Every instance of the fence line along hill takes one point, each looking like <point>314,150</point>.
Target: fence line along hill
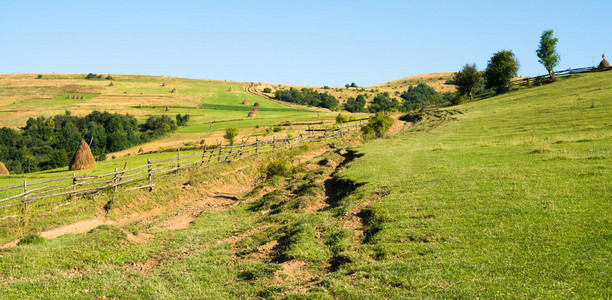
<point>24,199</point>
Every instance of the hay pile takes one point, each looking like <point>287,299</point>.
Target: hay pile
<point>83,159</point>
<point>164,83</point>
<point>230,89</point>
<point>253,112</point>
<point>167,108</point>
<point>604,64</point>
<point>111,84</point>
<point>3,169</point>
<point>245,101</point>
<point>256,104</point>
<point>140,150</point>
<point>82,97</point>
<point>174,90</point>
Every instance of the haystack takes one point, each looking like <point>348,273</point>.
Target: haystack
<point>83,159</point>
<point>164,83</point>
<point>174,90</point>
<point>253,112</point>
<point>68,97</point>
<point>245,101</point>
<point>111,84</point>
<point>604,64</point>
<point>3,169</point>
<point>140,150</point>
<point>82,97</point>
<point>229,90</point>
<point>167,108</point>
<point>256,104</point>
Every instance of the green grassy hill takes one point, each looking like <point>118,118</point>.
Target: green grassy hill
<point>506,197</point>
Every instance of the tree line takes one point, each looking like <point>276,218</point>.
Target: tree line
<point>501,68</point>
<point>48,143</point>
<point>307,96</point>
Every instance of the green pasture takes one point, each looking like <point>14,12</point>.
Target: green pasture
<point>507,197</point>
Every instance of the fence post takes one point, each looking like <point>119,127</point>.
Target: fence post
<point>220,148</point>
<point>178,161</point>
<point>149,175</point>
<point>256,144</point>
<point>286,140</point>
<point>115,181</point>
<point>25,197</point>
<point>74,181</point>
<point>241,147</point>
<point>203,154</point>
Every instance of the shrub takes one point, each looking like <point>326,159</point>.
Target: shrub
<point>377,126</point>
<point>31,239</point>
<point>458,99</point>
<point>341,119</point>
<point>39,76</point>
<point>230,134</point>
<point>267,90</point>
<point>279,167</point>
<point>277,129</point>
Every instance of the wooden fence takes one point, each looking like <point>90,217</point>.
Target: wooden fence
<point>144,176</point>
<point>569,71</point>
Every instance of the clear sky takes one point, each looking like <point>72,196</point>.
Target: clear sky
<point>291,41</point>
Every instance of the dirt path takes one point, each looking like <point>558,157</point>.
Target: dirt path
<point>398,125</point>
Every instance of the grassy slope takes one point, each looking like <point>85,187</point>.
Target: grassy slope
<point>394,87</point>
<point>22,96</point>
<point>513,198</point>
<point>510,200</point>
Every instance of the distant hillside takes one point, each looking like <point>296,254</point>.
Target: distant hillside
<point>394,87</point>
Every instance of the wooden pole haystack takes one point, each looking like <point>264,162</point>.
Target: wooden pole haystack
<point>253,112</point>
<point>82,97</point>
<point>164,83</point>
<point>245,101</point>
<point>229,90</point>
<point>83,158</point>
<point>3,169</point>
<point>111,84</point>
<point>604,64</point>
<point>174,90</point>
<point>256,104</point>
<point>167,108</point>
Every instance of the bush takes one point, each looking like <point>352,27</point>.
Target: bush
<point>277,129</point>
<point>230,134</point>
<point>341,119</point>
<point>279,167</point>
<point>267,90</point>
<point>377,126</point>
<point>458,99</point>
<point>39,76</point>
<point>31,239</point>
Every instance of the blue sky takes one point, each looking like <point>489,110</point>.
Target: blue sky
<point>294,42</point>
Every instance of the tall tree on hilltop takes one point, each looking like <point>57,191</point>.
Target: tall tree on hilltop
<point>502,67</point>
<point>467,79</point>
<point>548,53</point>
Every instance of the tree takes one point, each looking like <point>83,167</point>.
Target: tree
<point>230,134</point>
<point>467,79</point>
<point>355,104</point>
<point>502,67</point>
<point>383,102</point>
<point>378,125</point>
<point>353,85</point>
<point>548,53</point>
<point>347,85</point>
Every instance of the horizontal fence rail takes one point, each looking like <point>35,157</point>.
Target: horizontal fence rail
<point>144,176</point>
<point>569,71</point>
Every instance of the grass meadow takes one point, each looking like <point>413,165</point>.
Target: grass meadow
<point>508,197</point>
